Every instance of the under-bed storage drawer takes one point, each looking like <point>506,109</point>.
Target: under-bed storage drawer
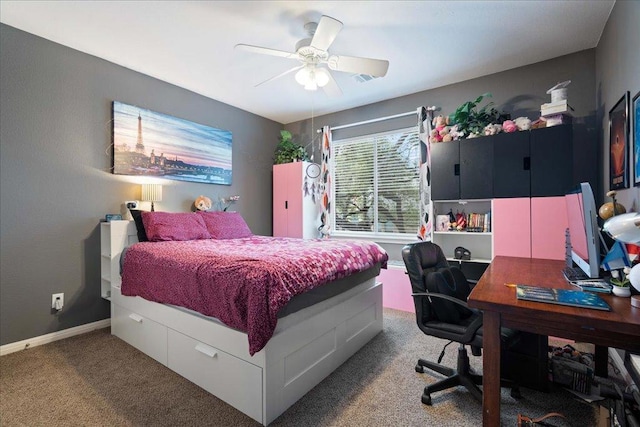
<point>142,333</point>
<point>233,380</point>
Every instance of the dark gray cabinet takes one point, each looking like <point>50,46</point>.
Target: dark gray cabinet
<point>536,163</point>
<point>462,169</point>
<point>552,162</point>
<point>511,157</point>
<point>445,170</point>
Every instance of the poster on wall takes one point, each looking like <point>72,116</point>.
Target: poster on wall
<point>618,144</point>
<point>147,143</point>
<point>636,138</point>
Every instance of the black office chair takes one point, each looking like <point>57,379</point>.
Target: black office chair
<point>440,293</point>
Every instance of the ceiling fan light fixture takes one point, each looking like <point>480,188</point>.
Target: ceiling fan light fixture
<point>303,76</point>
<point>322,77</point>
<point>312,77</point>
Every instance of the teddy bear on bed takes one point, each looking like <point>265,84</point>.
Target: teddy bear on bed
<point>203,203</point>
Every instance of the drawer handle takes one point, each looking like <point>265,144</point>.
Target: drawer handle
<point>205,349</point>
<point>135,318</point>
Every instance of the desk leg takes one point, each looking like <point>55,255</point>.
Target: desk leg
<point>602,361</point>
<point>491,369</point>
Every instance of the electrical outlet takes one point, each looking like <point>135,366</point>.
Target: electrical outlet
<point>57,301</point>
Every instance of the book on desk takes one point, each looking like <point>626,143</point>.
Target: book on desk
<point>561,296</point>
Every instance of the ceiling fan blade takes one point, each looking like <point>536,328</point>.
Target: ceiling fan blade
<point>267,51</point>
<point>326,32</point>
<point>331,88</point>
<point>357,65</point>
<point>280,75</point>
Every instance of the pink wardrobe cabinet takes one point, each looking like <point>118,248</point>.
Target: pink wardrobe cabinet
<point>294,213</point>
<point>530,227</point>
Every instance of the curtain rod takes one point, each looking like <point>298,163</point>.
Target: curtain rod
<point>408,113</point>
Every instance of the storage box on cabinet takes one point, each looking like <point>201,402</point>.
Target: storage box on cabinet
<point>227,377</point>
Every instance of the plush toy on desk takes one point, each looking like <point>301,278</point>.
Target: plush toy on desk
<point>202,203</point>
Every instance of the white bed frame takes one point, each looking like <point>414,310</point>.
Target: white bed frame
<point>307,345</point>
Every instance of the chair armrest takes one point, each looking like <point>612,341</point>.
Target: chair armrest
<point>447,297</point>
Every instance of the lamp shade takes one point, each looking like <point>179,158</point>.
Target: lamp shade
<point>152,193</point>
<point>624,227</point>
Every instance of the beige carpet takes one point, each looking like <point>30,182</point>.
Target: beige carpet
<point>96,379</point>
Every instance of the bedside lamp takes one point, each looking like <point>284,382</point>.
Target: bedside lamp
<point>152,193</point>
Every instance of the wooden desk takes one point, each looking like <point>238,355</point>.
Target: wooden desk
<point>619,328</point>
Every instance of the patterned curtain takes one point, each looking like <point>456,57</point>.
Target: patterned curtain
<point>325,184</point>
<point>425,116</point>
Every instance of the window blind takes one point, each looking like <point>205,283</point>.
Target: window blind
<point>376,183</point>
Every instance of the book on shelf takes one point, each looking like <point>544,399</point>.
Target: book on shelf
<point>478,222</point>
<point>561,296</point>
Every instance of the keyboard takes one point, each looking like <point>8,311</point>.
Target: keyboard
<point>573,274</point>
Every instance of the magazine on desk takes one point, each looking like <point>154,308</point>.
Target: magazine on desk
<point>562,297</point>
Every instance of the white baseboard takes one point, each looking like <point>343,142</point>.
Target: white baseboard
<point>54,336</point>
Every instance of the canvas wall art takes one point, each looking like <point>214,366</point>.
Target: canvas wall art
<point>636,138</point>
<point>618,144</point>
<point>154,144</point>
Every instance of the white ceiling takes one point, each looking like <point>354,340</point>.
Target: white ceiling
<point>428,43</point>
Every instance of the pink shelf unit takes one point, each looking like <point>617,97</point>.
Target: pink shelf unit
<point>396,289</point>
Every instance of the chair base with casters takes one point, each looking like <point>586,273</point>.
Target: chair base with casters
<point>462,376</point>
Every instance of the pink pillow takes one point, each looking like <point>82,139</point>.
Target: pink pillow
<point>163,226</point>
<point>226,225</point>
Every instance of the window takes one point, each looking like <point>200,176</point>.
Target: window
<point>376,184</point>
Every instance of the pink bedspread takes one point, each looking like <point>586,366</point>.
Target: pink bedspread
<point>242,282</point>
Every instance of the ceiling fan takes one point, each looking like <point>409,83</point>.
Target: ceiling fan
<point>312,53</point>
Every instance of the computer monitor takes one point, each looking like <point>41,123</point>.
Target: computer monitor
<point>583,229</point>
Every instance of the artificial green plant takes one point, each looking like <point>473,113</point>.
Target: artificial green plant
<point>471,120</point>
<point>288,151</point>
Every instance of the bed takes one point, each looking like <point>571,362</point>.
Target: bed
<point>261,366</point>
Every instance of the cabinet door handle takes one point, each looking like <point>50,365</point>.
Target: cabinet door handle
<point>526,163</point>
<point>135,318</point>
<point>456,169</point>
<point>206,350</point>
<point>286,204</point>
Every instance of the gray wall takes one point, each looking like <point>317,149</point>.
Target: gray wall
<point>55,132</point>
<point>56,185</point>
<point>618,71</point>
<point>519,91</point>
